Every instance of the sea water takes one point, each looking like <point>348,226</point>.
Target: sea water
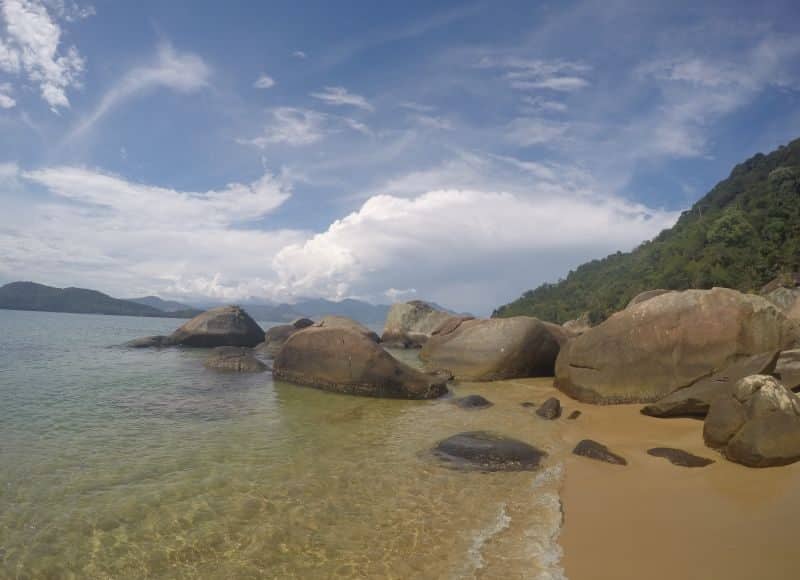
<point>141,463</point>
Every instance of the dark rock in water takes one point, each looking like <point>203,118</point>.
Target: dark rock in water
<point>757,424</point>
<point>550,409</point>
<point>695,400</point>
<point>222,326</point>
<point>528,404</point>
<point>234,358</point>
<point>345,360</point>
<point>594,450</point>
<point>680,457</point>
<point>472,402</point>
<point>149,342</point>
<point>487,451</point>
<point>302,323</point>
<point>274,339</point>
<point>574,415</point>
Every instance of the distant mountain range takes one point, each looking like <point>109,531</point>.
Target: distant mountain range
<point>33,296</point>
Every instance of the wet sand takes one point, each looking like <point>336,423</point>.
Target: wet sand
<point>654,520</point>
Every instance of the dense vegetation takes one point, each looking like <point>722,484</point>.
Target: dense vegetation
<point>742,234</point>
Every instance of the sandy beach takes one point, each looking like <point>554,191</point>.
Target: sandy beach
<point>651,519</point>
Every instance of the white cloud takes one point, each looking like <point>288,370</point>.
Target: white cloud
<point>538,104</point>
<point>339,96</point>
<point>32,48</point>
<point>464,247</point>
<point>527,131</point>
<point>264,82</point>
<point>299,54</point>
<point>180,72</point>
<point>6,100</point>
<point>535,74</point>
<point>295,127</point>
<point>432,122</point>
<point>99,230</point>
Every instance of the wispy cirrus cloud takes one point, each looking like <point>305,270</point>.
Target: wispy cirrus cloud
<point>181,72</point>
<point>290,126</point>
<point>339,96</point>
<point>31,48</point>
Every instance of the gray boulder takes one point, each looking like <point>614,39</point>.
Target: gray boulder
<point>757,425</point>
<point>222,326</point>
<point>787,369</point>
<point>494,349</point>
<point>149,342</point>
<point>669,342</point>
<point>276,336</point>
<point>347,323</point>
<point>410,324</point>
<point>345,360</point>
<point>696,399</point>
<point>550,409</point>
<point>578,326</point>
<point>645,296</point>
<point>486,451</point>
<point>234,359</point>
<point>599,452</point>
<point>472,402</point>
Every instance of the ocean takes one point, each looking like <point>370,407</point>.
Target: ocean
<point>136,463</point>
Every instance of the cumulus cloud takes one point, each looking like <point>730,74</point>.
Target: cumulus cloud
<point>339,96</point>
<point>6,100</point>
<point>469,248</point>
<point>96,229</point>
<point>32,48</point>
<point>264,82</point>
<point>181,72</point>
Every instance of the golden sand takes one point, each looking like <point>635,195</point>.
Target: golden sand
<point>653,520</point>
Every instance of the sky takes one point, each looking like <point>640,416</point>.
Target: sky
<point>459,152</point>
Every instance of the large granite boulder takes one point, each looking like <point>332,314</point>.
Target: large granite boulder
<point>578,325</point>
<point>486,451</point>
<point>410,324</point>
<point>347,323</point>
<point>787,369</point>
<point>222,326</point>
<point>696,399</point>
<point>669,342</point>
<point>275,336</point>
<point>347,361</point>
<point>494,349</point>
<point>645,296</point>
<point>757,425</point>
<point>234,358</point>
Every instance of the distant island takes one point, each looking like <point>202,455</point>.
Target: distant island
<point>740,235</point>
<point>39,297</point>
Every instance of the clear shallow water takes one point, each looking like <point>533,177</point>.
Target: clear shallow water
<point>136,463</point>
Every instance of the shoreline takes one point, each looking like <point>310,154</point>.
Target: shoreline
<point>652,519</point>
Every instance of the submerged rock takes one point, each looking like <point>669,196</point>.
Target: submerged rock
<point>222,326</point>
<point>550,409</point>
<point>680,457</point>
<point>494,349</point>
<point>472,402</point>
<point>410,324</point>
<point>486,451</point>
<point>669,342</point>
<point>235,359</point>
<point>574,415</point>
<point>344,360</point>
<point>696,399</point>
<point>149,342</point>
<point>757,424</point>
<point>594,450</point>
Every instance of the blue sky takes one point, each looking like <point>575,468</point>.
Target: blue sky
<point>461,152</point>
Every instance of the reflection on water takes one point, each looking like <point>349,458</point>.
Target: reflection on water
<point>122,463</point>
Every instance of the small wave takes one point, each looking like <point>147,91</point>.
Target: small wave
<point>499,523</point>
<point>544,547</point>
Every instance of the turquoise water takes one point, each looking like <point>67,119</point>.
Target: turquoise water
<point>136,463</point>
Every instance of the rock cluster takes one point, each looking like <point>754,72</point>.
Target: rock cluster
<point>410,324</point>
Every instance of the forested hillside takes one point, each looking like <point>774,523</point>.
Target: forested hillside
<point>742,234</point>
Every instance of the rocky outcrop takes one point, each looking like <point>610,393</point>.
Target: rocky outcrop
<point>787,369</point>
<point>696,399</point>
<point>222,326</point>
<point>757,425</point>
<point>599,452</point>
<point>347,323</point>
<point>344,360</point>
<point>410,324</point>
<point>234,359</point>
<point>669,342</point>
<point>578,326</point>
<point>645,296</point>
<point>550,409</point>
<point>275,336</point>
<point>472,402</point>
<point>487,451</point>
<point>494,349</point>
<point>149,342</point>
<point>679,457</point>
